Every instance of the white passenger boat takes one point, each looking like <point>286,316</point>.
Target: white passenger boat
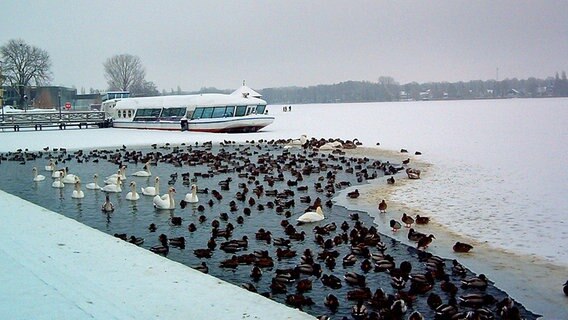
<point>240,111</point>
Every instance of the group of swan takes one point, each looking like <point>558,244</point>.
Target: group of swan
<point>113,184</point>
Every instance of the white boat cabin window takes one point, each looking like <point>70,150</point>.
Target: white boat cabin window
<point>213,112</point>
<point>147,114</point>
<point>260,109</point>
<point>173,113</point>
<point>241,111</point>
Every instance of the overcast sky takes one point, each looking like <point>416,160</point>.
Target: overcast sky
<point>193,44</point>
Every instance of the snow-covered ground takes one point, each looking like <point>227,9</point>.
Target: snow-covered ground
<point>494,175</point>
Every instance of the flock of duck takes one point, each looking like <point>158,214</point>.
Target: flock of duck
<point>313,245</point>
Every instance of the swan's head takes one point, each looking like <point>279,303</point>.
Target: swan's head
<point>172,190</point>
<point>157,179</point>
<point>34,169</point>
<point>133,184</point>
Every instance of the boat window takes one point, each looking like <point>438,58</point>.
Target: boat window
<point>241,110</point>
<point>207,112</point>
<point>130,113</point>
<point>173,112</point>
<point>197,113</point>
<point>260,109</point>
<point>230,111</point>
<point>147,114</point>
<point>219,112</point>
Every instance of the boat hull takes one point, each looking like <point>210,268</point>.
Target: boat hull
<point>220,125</point>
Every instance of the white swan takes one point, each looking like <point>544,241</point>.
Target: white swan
<point>311,216</point>
<point>77,192</point>
<point>94,185</point>
<point>144,173</point>
<point>50,165</point>
<point>37,177</point>
<point>166,201</point>
<point>331,145</point>
<point>132,195</point>
<point>120,173</point>
<point>297,142</point>
<point>192,196</point>
<point>55,173</point>
<point>68,177</point>
<point>57,183</point>
<point>107,206</point>
<point>152,191</point>
<point>113,187</point>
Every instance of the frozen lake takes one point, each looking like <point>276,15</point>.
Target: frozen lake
<point>496,175</point>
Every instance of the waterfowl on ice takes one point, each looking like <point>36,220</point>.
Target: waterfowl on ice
<point>383,207</point>
<point>408,220</point>
<point>462,247</point>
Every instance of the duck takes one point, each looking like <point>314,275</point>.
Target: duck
<point>152,191</point>
<point>458,269</point>
<point>202,267</point>
<point>331,281</point>
<point>395,225</point>
<point>414,235</point>
<point>331,301</point>
<point>93,185</point>
<point>476,300</point>
<point>359,311</point>
<point>107,205</point>
<point>359,294</point>
<point>136,240</point>
<point>383,207</point>
<point>37,177</point>
<point>311,216</point>
<point>390,180</point>
<point>353,194</point>
<point>462,247</point>
<point>408,220</point>
<point>424,242</point>
<point>165,201</point>
<point>479,282</point>
<point>192,197</point>
<point>68,177</point>
<point>421,220</point>
<point>58,183</point>
<point>162,248</point>
<point>113,187</point>
<point>77,192</point>
<point>353,278</point>
<point>132,195</point>
<point>144,173</point>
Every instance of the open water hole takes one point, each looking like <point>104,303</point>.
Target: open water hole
<point>208,165</point>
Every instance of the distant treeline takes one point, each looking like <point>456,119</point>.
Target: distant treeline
<point>387,89</point>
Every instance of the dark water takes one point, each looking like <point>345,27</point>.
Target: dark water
<point>133,218</point>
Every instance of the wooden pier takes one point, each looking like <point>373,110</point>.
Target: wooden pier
<point>62,120</point>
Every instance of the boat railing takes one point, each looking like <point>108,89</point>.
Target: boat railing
<point>38,120</point>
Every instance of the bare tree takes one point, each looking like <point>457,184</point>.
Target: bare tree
<point>24,65</point>
<point>124,72</point>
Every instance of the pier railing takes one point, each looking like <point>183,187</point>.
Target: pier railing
<point>39,120</point>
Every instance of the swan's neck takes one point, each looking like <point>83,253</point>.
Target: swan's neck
<point>172,201</point>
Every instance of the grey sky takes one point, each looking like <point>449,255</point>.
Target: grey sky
<point>192,44</point>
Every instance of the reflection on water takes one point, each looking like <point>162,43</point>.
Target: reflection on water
<point>133,217</point>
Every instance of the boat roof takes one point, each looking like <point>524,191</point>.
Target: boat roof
<point>201,100</point>
<point>245,91</point>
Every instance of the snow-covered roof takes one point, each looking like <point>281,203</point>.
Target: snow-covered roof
<point>245,91</point>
